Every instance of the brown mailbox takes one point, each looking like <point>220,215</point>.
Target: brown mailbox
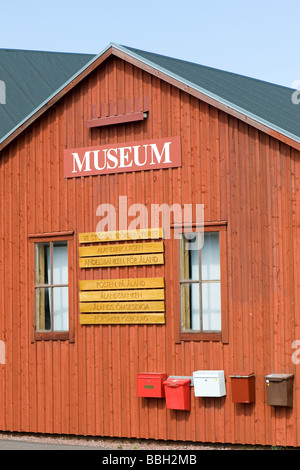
<point>280,389</point>
<point>243,387</point>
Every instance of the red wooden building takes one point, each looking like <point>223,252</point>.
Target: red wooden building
<point>86,307</point>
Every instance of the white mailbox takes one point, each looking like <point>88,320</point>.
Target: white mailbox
<point>209,383</point>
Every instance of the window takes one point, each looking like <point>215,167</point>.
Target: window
<point>51,286</point>
<point>200,284</point>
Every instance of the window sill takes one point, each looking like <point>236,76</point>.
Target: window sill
<point>51,335</point>
<point>197,336</point>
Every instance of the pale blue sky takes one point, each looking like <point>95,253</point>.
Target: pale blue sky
<point>257,38</point>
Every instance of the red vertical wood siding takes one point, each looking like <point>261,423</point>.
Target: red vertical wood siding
<point>242,176</point>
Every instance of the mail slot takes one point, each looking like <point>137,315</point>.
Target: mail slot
<point>178,394</point>
<point>209,383</point>
<point>280,389</point>
<point>150,384</point>
<point>243,387</point>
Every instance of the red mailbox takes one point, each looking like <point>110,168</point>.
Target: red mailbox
<point>178,393</point>
<point>150,384</point>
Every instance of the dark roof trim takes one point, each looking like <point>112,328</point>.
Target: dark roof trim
<point>149,66</point>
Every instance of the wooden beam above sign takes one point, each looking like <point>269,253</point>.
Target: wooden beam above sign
<point>132,112</point>
<point>119,119</point>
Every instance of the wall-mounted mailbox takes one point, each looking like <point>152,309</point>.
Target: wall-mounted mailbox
<point>209,383</point>
<point>243,387</point>
<point>150,384</point>
<point>178,393</point>
<point>280,389</point>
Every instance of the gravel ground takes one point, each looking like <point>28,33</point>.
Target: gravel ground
<point>124,444</point>
<point>113,444</point>
<point>25,441</point>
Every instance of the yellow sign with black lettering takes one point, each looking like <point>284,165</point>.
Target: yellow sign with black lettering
<point>121,235</point>
<point>117,261</point>
<point>122,295</point>
<point>118,284</point>
<point>125,249</point>
<point>122,319</point>
<point>156,306</point>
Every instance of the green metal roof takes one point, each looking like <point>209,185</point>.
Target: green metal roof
<point>265,102</point>
<point>33,78</point>
<point>30,77</point>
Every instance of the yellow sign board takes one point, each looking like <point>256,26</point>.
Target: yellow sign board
<point>122,301</point>
<point>118,284</point>
<point>120,249</point>
<point>122,295</point>
<point>121,235</point>
<point>122,319</point>
<point>114,261</point>
<point>155,306</point>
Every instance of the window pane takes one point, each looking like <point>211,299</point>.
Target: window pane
<point>210,257</point>
<point>189,260</point>
<point>194,264</point>
<point>201,299</point>
<point>211,306</point>
<point>43,309</point>
<point>190,307</point>
<point>60,263</point>
<point>42,263</point>
<point>60,309</point>
<point>195,307</point>
<point>185,306</point>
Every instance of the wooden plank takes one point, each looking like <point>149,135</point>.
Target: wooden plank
<point>110,284</point>
<point>122,295</point>
<point>119,119</point>
<point>113,319</point>
<point>155,306</point>
<point>142,234</point>
<point>129,248</point>
<point>111,261</point>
